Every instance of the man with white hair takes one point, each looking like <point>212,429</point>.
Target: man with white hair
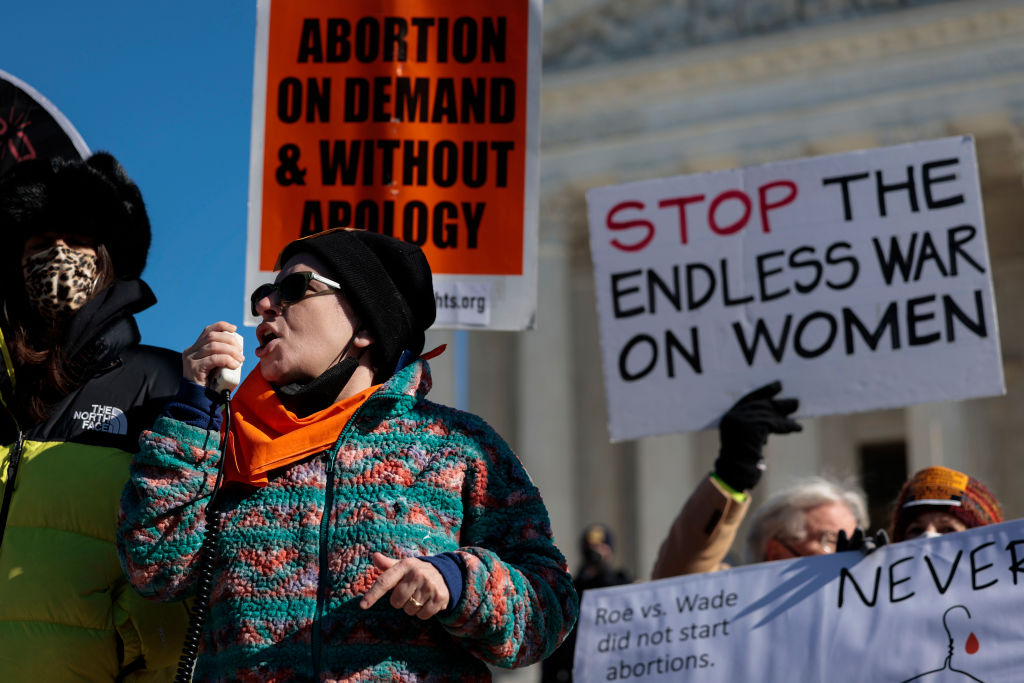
<point>803,520</point>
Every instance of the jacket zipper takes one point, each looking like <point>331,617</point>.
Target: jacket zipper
<point>321,584</point>
<point>316,637</point>
<point>12,475</point>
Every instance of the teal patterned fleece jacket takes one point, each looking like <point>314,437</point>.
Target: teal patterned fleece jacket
<point>407,477</point>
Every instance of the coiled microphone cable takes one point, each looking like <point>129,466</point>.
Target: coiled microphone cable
<point>207,553</point>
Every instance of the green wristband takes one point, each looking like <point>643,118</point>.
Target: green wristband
<point>738,496</point>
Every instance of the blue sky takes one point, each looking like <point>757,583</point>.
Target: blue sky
<point>167,88</point>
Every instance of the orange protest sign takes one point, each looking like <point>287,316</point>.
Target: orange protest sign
<point>406,117</point>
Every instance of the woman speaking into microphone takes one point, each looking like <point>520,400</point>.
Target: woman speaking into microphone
<point>362,531</point>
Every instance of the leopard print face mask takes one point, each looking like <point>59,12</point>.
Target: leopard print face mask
<point>59,280</point>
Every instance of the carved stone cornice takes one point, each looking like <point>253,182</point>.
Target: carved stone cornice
<point>803,53</point>
<point>925,73</point>
<point>916,74</point>
<point>588,32</point>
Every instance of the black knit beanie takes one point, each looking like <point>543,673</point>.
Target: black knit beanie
<point>94,198</point>
<point>386,281</point>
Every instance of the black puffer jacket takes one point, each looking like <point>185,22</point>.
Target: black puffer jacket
<point>65,608</point>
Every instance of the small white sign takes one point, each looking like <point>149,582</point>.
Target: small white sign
<point>462,304</point>
<point>937,609</point>
<point>860,280</point>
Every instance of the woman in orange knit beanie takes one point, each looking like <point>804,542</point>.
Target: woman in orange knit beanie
<point>940,500</point>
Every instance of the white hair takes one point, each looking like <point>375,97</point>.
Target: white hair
<point>782,515</point>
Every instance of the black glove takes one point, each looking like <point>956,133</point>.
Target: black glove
<point>861,541</point>
<point>744,431</point>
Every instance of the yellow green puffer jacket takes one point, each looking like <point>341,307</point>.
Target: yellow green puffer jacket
<point>66,611</point>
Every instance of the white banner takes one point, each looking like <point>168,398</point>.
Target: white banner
<point>860,280</point>
<point>920,610</point>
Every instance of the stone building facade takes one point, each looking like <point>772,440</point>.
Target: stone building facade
<point>637,89</point>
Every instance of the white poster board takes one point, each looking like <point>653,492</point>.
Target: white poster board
<point>860,280</point>
<point>944,607</point>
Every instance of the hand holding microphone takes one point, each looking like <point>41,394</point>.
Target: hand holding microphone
<point>225,379</point>
<point>215,359</point>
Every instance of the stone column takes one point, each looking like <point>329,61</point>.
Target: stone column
<point>935,436</point>
<point>668,468</point>
<point>443,368</point>
<point>546,412</point>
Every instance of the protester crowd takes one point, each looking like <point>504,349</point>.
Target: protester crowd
<point>814,516</point>
<point>328,521</point>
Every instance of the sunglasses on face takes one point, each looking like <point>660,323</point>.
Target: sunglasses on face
<point>291,289</point>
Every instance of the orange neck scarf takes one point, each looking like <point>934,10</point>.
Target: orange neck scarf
<point>265,435</point>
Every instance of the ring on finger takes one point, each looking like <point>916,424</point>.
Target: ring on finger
<point>416,603</point>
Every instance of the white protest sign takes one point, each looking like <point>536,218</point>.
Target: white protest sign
<point>860,280</point>
<point>938,606</point>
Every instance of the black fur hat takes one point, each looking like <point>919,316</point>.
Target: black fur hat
<point>386,281</point>
<point>94,198</point>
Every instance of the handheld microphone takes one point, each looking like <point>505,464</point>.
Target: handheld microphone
<point>225,379</point>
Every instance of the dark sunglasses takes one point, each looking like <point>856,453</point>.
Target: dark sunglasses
<point>291,289</point>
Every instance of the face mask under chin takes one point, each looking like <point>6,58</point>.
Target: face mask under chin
<point>59,280</point>
<point>306,398</point>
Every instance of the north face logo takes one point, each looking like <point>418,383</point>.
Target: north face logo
<point>106,419</point>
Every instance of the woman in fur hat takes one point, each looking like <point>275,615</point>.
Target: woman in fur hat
<point>362,531</point>
<point>76,388</point>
